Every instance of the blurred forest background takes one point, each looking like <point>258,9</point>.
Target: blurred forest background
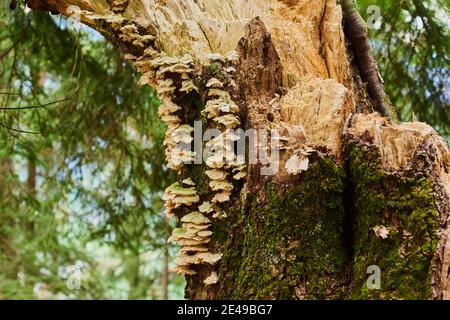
<point>81,157</point>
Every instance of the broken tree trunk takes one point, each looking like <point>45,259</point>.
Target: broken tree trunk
<point>347,191</point>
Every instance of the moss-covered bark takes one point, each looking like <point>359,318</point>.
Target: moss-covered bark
<point>406,206</point>
<point>289,244</point>
<point>316,239</point>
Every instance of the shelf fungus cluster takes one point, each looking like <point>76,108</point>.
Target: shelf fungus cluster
<point>170,76</point>
<point>173,77</point>
<point>194,234</point>
<point>180,194</point>
<point>224,165</point>
<point>193,237</point>
<point>130,33</point>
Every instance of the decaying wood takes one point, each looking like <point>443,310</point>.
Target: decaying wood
<point>292,73</point>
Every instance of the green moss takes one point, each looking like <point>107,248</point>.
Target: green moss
<point>215,69</point>
<point>407,207</point>
<point>193,105</point>
<point>305,242</point>
<point>198,176</point>
<point>290,241</point>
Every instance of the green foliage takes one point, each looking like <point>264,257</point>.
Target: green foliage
<point>85,189</point>
<point>412,48</point>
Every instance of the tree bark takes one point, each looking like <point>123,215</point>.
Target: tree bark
<point>352,190</point>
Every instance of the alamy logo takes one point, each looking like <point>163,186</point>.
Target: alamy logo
<point>374,280</point>
<point>74,277</point>
<point>374,20</point>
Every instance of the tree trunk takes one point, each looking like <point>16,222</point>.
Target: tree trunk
<point>353,198</point>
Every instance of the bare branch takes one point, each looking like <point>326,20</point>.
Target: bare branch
<point>43,105</point>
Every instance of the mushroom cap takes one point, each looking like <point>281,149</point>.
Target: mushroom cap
<point>184,259</point>
<point>193,249</point>
<point>220,93</point>
<point>178,189</point>
<point>215,107</point>
<point>240,175</point>
<point>171,119</point>
<point>188,182</point>
<point>185,200</point>
<point>129,28</point>
<point>219,185</point>
<point>179,156</point>
<point>204,233</point>
<point>211,279</point>
<point>174,68</point>
<point>211,258</point>
<point>240,168</point>
<point>214,83</point>
<point>188,86</point>
<point>296,164</point>
<point>228,120</point>
<point>167,108</point>
<point>181,233</point>
<point>221,197</point>
<point>198,227</point>
<point>216,174</point>
<point>195,217</point>
<point>205,207</point>
<point>192,242</point>
<point>216,161</point>
<point>181,138</point>
<point>183,270</point>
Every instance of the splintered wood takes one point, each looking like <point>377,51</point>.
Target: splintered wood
<point>307,35</point>
<point>322,107</point>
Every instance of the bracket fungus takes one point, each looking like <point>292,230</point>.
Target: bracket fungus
<point>240,172</point>
<point>211,279</point>
<point>222,105</point>
<point>175,75</point>
<point>193,236</point>
<point>381,231</point>
<point>299,161</point>
<point>229,121</point>
<point>169,74</point>
<point>183,134</point>
<point>205,207</point>
<point>177,195</point>
<point>214,83</point>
